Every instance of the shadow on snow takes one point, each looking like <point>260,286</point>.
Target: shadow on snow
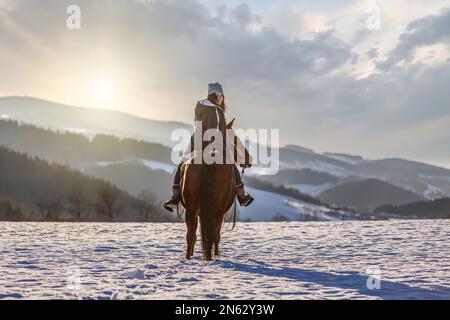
<point>344,280</point>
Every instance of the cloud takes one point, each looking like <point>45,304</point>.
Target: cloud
<point>425,31</point>
<point>372,53</point>
<point>298,76</point>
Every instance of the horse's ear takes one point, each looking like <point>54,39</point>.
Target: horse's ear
<point>230,124</point>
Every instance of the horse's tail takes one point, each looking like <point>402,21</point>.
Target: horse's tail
<point>207,215</point>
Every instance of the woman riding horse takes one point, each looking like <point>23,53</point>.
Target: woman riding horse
<point>211,113</point>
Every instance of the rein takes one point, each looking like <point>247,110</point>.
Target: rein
<point>178,210</point>
<point>235,204</point>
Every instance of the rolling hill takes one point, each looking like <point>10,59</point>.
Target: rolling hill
<point>439,208</point>
<point>88,138</point>
<point>87,121</point>
<point>49,191</point>
<point>368,194</point>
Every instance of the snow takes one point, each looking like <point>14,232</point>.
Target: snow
<point>261,171</point>
<point>316,165</point>
<point>268,204</point>
<point>433,192</point>
<point>292,260</point>
<point>316,212</point>
<point>76,130</point>
<point>82,131</point>
<point>154,165</point>
<point>107,163</point>
<point>344,158</point>
<point>310,189</point>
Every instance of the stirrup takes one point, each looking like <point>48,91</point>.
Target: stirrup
<point>245,200</point>
<point>171,204</point>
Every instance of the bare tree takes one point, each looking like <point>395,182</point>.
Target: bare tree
<point>10,211</point>
<point>78,201</point>
<point>146,205</point>
<point>51,210</point>
<point>107,201</point>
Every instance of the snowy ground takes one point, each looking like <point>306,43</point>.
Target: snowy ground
<point>295,260</point>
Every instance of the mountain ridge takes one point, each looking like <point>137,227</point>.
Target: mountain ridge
<point>368,194</point>
<point>290,146</point>
<point>66,105</point>
<point>427,180</point>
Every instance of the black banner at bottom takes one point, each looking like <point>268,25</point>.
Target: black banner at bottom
<point>210,309</point>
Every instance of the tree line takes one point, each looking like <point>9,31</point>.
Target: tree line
<point>70,147</point>
<point>34,189</point>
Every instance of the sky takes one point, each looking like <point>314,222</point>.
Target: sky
<point>359,77</point>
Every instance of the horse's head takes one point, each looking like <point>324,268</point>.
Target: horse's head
<point>247,163</point>
<point>241,154</point>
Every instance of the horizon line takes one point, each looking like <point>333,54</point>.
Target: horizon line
<point>323,153</point>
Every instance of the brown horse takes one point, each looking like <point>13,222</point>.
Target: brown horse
<point>207,192</point>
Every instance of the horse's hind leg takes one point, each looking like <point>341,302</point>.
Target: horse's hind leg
<point>191,235</point>
<point>194,235</point>
<point>216,242</point>
<point>216,245</point>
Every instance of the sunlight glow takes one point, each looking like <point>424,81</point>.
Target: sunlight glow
<point>103,92</point>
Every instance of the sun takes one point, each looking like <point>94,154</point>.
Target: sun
<point>103,92</point>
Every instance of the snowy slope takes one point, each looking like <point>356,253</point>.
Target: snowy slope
<point>352,159</point>
<point>268,204</point>
<point>313,190</point>
<point>151,164</point>
<point>310,260</point>
<point>427,180</point>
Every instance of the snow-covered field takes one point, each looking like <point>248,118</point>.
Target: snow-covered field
<point>294,260</point>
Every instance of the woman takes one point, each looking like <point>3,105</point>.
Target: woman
<point>211,112</point>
